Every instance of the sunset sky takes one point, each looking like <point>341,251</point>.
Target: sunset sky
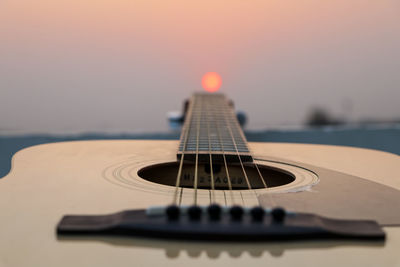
<point>121,65</point>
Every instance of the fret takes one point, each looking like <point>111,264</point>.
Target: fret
<point>219,131</point>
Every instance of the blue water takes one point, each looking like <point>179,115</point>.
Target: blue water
<point>385,139</point>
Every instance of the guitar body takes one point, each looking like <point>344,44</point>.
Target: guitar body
<point>49,181</point>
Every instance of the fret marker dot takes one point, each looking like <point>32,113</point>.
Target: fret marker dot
<point>211,81</point>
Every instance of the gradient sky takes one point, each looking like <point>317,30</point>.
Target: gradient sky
<point>121,65</point>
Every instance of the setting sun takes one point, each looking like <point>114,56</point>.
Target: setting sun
<point>211,81</point>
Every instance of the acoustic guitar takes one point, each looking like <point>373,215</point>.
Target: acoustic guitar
<point>210,198</point>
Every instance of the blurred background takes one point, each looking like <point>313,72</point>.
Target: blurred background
<point>113,69</point>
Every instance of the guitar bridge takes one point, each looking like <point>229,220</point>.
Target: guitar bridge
<point>219,223</point>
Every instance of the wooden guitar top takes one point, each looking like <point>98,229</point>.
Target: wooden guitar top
<point>95,177</point>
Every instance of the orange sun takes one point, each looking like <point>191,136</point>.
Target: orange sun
<point>211,81</point>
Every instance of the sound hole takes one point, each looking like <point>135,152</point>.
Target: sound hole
<point>166,174</point>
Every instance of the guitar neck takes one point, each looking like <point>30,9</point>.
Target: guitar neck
<point>211,128</point>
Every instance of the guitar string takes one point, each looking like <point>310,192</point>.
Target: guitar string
<point>239,157</point>
<point>185,134</point>
<point>196,166</point>
<point>263,180</point>
<point>212,195</point>
<point>272,201</point>
<point>254,163</point>
<point>270,197</point>
<point>225,163</point>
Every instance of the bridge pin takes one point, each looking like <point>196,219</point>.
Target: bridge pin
<point>194,213</point>
<point>278,214</point>
<point>236,213</point>
<point>257,213</point>
<point>214,211</point>
<point>172,212</point>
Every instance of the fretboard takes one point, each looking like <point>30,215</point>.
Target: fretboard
<point>211,127</point>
